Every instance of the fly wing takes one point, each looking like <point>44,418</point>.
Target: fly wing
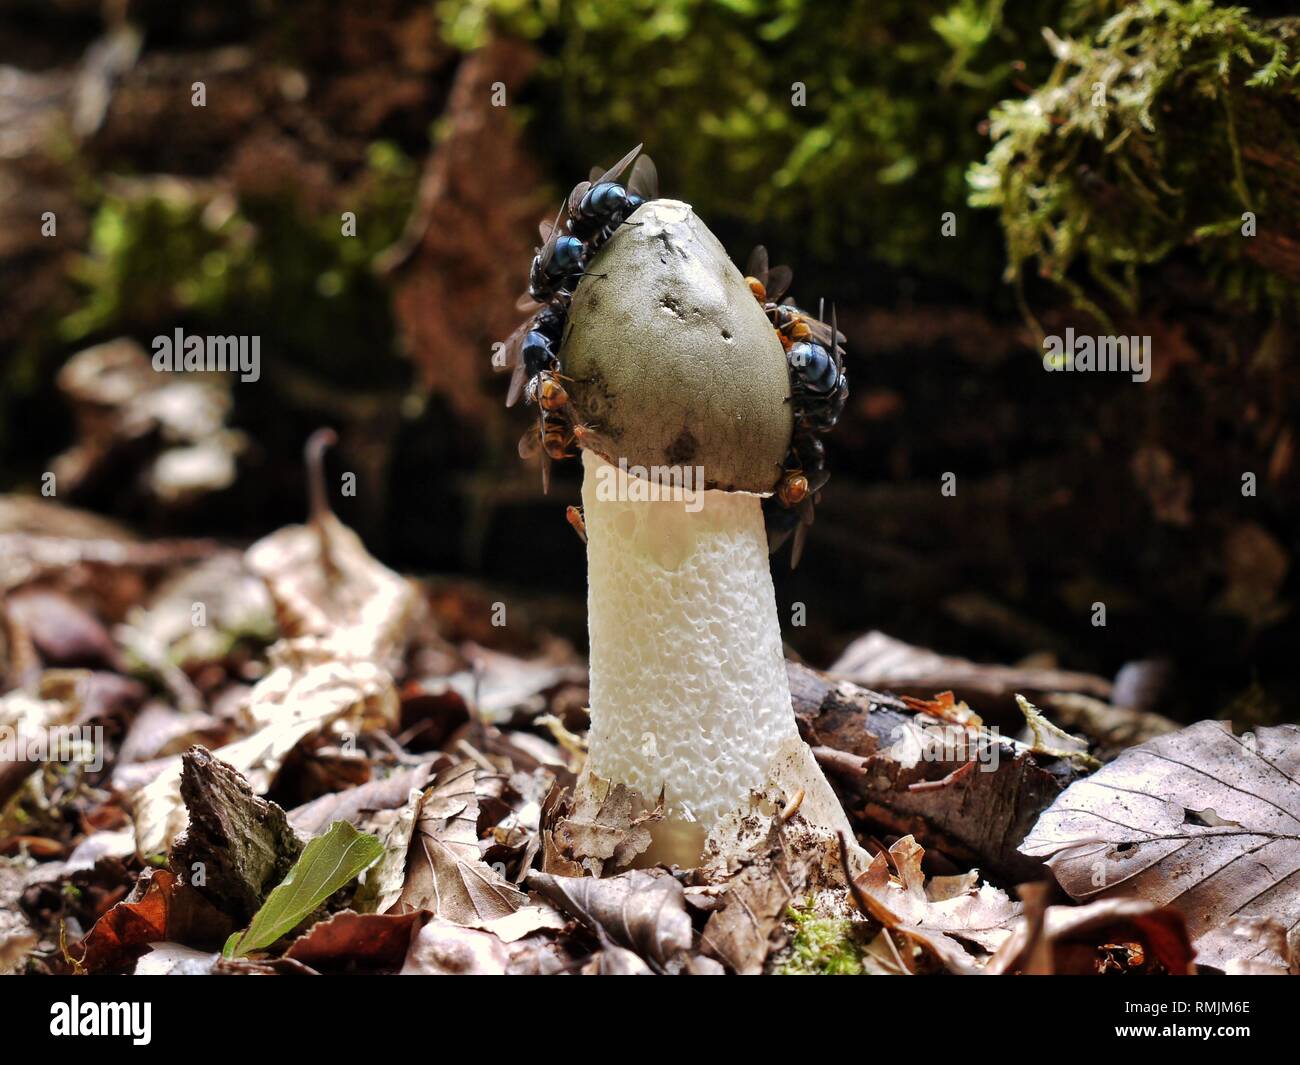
<point>782,524</point>
<point>822,332</point>
<point>613,173</point>
<point>801,532</point>
<point>644,181</point>
<point>777,534</point>
<point>530,444</point>
<point>550,230</point>
<point>757,265</point>
<point>540,436</point>
<point>836,335</point>
<point>518,378</point>
<point>575,197</point>
<point>512,358</point>
<point>796,548</point>
<point>778,280</point>
<point>530,447</point>
<point>591,438</point>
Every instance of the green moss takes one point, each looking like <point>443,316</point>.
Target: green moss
<point>820,946</point>
<point>894,92</point>
<point>1133,147</point>
<point>164,253</point>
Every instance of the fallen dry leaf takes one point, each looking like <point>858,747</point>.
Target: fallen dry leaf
<point>503,685</point>
<point>643,910</point>
<point>1200,819</point>
<point>348,619</point>
<point>942,921</point>
<point>381,884</point>
<point>355,804</point>
<point>525,921</point>
<point>600,829</point>
<point>883,663</point>
<point>302,696</point>
<point>445,949</point>
<point>352,942</point>
<point>1116,935</point>
<point>741,933</point>
<point>174,959</point>
<point>747,925</point>
<point>446,873</point>
<point>17,937</point>
<point>325,584</point>
<point>161,909</point>
<point>1270,948</point>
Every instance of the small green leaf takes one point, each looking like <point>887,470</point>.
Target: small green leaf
<point>228,950</point>
<point>326,864</point>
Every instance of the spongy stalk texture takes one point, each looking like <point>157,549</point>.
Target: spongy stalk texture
<point>688,683</point>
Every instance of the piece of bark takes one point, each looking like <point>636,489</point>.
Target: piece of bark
<point>978,818</point>
<point>241,844</point>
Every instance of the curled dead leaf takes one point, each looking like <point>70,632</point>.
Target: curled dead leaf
<point>643,910</point>
<point>944,922</point>
<point>1116,935</point>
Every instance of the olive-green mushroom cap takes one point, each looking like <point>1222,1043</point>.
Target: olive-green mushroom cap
<point>672,360</point>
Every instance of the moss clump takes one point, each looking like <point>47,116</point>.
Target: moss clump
<point>1161,131</point>
<point>830,125</point>
<point>164,252</point>
<point>819,946</point>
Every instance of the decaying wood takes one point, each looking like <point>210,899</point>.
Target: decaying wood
<point>979,818</point>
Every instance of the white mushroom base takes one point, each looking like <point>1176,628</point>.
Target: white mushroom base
<point>689,693</point>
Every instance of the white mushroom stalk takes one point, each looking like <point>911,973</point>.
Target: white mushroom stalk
<point>682,376</point>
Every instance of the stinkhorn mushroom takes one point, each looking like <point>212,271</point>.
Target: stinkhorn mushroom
<point>684,388</point>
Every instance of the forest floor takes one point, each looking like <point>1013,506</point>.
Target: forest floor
<point>291,758</point>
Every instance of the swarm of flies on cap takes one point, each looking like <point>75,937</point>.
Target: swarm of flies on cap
<point>587,219</point>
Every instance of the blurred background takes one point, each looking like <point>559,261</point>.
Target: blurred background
<point>949,175</point>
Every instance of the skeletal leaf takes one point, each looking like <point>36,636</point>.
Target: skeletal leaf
<point>1200,819</point>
